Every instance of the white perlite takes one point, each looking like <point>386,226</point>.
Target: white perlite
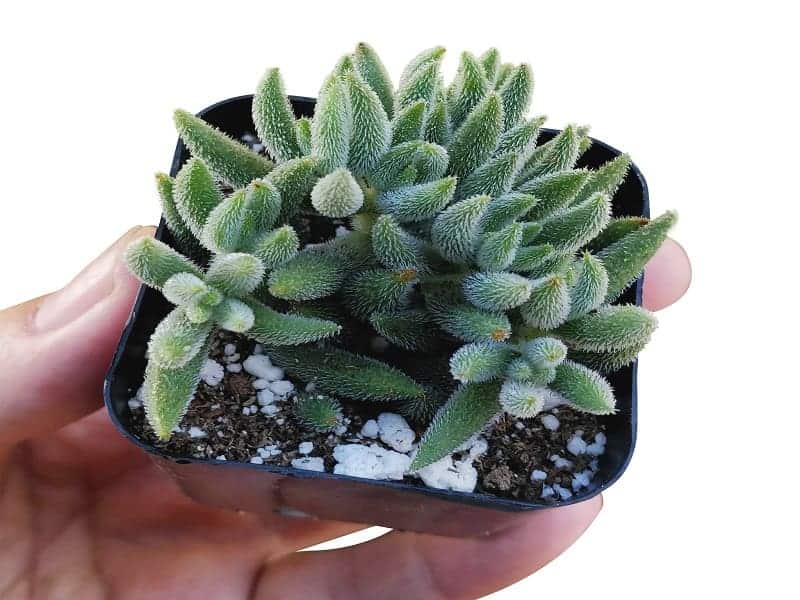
<point>446,474</point>
<point>268,451</point>
<point>265,397</point>
<point>212,372</point>
<point>395,432</point>
<point>229,349</point>
<point>305,447</point>
<point>369,462</point>
<point>282,387</point>
<point>309,463</point>
<point>537,475</point>
<point>576,445</point>
<point>260,384</point>
<point>196,432</point>
<point>258,365</point>
<point>370,429</point>
<point>550,422</point>
<point>234,368</point>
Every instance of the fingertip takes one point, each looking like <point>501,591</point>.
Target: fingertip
<point>667,276</point>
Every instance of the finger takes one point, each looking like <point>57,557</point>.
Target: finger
<point>412,565</point>
<point>55,349</point>
<point>667,276</point>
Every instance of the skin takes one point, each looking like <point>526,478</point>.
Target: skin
<point>85,514</point>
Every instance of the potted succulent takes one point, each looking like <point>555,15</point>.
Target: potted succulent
<point>394,306</point>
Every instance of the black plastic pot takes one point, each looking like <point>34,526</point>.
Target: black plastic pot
<point>267,488</point>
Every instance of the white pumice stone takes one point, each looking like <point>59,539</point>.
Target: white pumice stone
<point>581,480</point>
<point>222,457</point>
<point>270,409</point>
<point>273,373</point>
<point>370,429</point>
<point>233,358</point>
<point>309,463</point>
<point>479,448</point>
<point>519,425</point>
<point>257,460</point>
<point>234,368</point>
<point>595,449</point>
<point>280,421</point>
<point>134,403</point>
<point>446,474</point>
<point>246,410</point>
<point>311,386</point>
<point>269,451</point>
<point>340,430</point>
<point>537,475</point>
<point>258,147</point>
<point>196,432</point>
<point>562,491</point>
<point>257,365</point>
<point>260,384</point>
<point>547,492</point>
<point>212,372</point>
<point>550,422</point>
<point>370,462</point>
<point>305,447</point>
<point>281,387</point>
<point>600,438</point>
<point>395,432</point>
<point>229,349</point>
<point>560,462</point>
<point>258,349</point>
<point>265,397</point>
<point>594,465</point>
<point>342,231</point>
<point>576,445</point>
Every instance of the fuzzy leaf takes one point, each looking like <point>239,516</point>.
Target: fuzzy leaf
<point>523,400</point>
<point>262,205</point>
<point>549,303</point>
<point>196,194</point>
<point>499,248</point>
<point>468,410</point>
<point>493,178</point>
<point>497,291</point>
<point>422,84</point>
<point>523,371</point>
<point>409,329</point>
<point>274,118</point>
<point>371,131</point>
<point>223,228</point>
<point>625,259</point>
<point>471,324</point>
<point>480,361</point>
<point>319,412</point>
<point>307,276</point>
<point>274,328</point>
<point>345,374</point>
<point>153,262</point>
<point>506,209</point>
<point>394,247</point>
<point>437,126</point>
<point>455,230</point>
<point>430,162</point>
<point>234,315</point>
<point>490,61</point>
<point>294,180</point>
<point>232,162</point>
<point>572,228</point>
<point>607,362</point>
<point>584,389</point>
<point>337,194</point>
<point>555,190</point>
<point>544,352</point>
<point>276,247</point>
<point>520,139</point>
<point>609,328</point>
<point>476,139</point>
<point>516,95</point>
<point>530,231</point>
<point>590,287</point>
<point>615,230</point>
<point>419,202</point>
<point>371,69</point>
<point>235,274</point>
<point>303,132</point>
<point>420,61</point>
<point>180,230</point>
<point>183,288</point>
<point>176,340</point>
<point>168,393</point>
<point>469,88</point>
<point>503,72</point>
<point>607,178</point>
<point>378,290</point>
<point>558,154</point>
<point>407,125</point>
<point>332,124</point>
<point>533,258</point>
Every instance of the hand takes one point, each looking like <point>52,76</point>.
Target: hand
<point>85,514</point>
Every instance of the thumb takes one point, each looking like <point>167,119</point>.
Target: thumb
<point>55,350</point>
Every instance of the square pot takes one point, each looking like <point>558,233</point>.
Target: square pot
<point>268,488</point>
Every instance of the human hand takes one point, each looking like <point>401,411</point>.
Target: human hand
<point>85,514</point>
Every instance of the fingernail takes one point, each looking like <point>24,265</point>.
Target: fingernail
<point>95,283</point>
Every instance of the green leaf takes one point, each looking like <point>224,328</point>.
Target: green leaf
<point>176,340</point>
<point>506,209</point>
<point>499,248</point>
<point>319,412</point>
<point>490,61</point>
<point>332,125</point>
<point>437,126</point>
<point>234,315</point>
<point>420,85</point>
<point>584,389</point>
<point>555,191</point>
<point>262,206</point>
<point>516,95</point>
<point>223,228</point>
<point>235,274</point>
<point>468,410</point>
<point>407,125</point>
<point>408,329</point>
<point>345,374</point>
<point>394,247</point>
<point>497,291</point>
<point>503,72</point>
<point>476,139</point>
<point>523,371</point>
<point>182,288</point>
<point>520,139</point>
<point>493,178</point>
<point>274,118</point>
<point>544,352</point>
<point>569,230</point>
<point>307,276</point>
<point>153,262</point>
<point>615,230</point>
<point>378,290</point>
<point>625,259</point>
<point>232,162</point>
<point>196,194</point>
<point>420,61</point>
<point>276,247</point>
<point>180,230</point>
<point>590,287</point>
<point>455,230</point>
<point>430,162</point>
<point>480,361</point>
<point>607,178</point>
<point>337,194</point>
<point>558,154</point>
<point>609,328</point>
<point>469,88</point>
<point>278,329</point>
<point>549,304</point>
<point>294,180</point>
<point>371,130</point>
<point>371,69</point>
<point>389,172</point>
<point>303,133</point>
<point>523,400</point>
<point>533,258</point>
<point>418,202</point>
<point>471,324</point>
<point>607,362</point>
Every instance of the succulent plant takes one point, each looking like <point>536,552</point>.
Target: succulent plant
<point>463,235</point>
<point>319,412</point>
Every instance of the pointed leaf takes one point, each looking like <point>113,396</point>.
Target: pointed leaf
<point>274,118</point>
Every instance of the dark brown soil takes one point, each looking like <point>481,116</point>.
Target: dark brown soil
<point>516,446</point>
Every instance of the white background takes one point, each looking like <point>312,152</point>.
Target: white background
<point>703,96</point>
